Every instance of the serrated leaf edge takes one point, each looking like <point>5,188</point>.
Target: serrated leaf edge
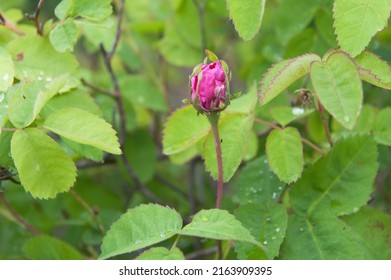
<point>370,73</point>
<point>262,93</point>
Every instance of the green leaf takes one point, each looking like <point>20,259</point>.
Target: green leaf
<point>234,130</point>
<point>64,36</point>
<point>338,86</point>
<point>293,17</point>
<point>285,153</point>
<point>140,148</point>
<point>187,25</point>
<point>357,21</point>
<point>36,61</point>
<point>89,9</point>
<point>252,146</point>
<point>161,253</point>
<point>324,26</point>
<point>183,129</point>
<point>86,151</point>
<point>48,248</point>
<point>245,103</point>
<point>373,228</point>
<point>139,90</point>
<point>74,99</point>
<point>246,18</point>
<point>255,183</point>
<point>43,167</point>
<point>319,239</point>
<point>176,51</point>
<point>211,55</point>
<point>283,74</point>
<point>366,120</point>
<point>5,146</point>
<point>374,70</point>
<point>62,9</point>
<point>285,115</point>
<point>7,70</point>
<point>3,109</point>
<point>85,128</point>
<point>140,227</point>
<point>267,223</point>
<point>217,224</point>
<point>28,99</point>
<point>339,183</point>
<point>97,34</point>
<point>184,156</point>
<point>381,127</point>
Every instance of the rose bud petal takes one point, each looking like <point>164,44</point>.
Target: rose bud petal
<point>209,88</point>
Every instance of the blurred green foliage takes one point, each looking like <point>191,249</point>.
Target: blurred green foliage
<point>160,43</point>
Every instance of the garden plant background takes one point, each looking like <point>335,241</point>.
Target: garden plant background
<point>101,158</point>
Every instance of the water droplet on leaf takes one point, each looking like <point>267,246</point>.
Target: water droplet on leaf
<point>297,111</point>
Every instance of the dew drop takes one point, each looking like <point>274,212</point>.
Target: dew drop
<point>6,77</point>
<point>48,79</point>
<point>268,219</point>
<point>355,210</point>
<point>265,160</point>
<point>39,78</point>
<point>265,242</point>
<point>301,229</point>
<point>205,219</point>
<point>274,195</point>
<point>162,234</point>
<point>346,118</point>
<point>278,229</point>
<point>297,111</point>
<point>273,238</point>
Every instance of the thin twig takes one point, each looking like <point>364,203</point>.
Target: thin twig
<point>10,26</point>
<point>313,146</point>
<point>214,120</point>
<point>107,57</point>
<point>201,17</point>
<point>200,253</point>
<point>269,124</point>
<point>140,186</point>
<point>171,186</point>
<point>117,95</point>
<point>93,213</point>
<point>304,140</point>
<point>9,129</point>
<point>35,17</point>
<point>21,221</point>
<point>97,88</point>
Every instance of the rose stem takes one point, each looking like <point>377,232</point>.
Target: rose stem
<point>214,120</point>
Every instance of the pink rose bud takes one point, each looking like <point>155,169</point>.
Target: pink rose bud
<point>209,88</point>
